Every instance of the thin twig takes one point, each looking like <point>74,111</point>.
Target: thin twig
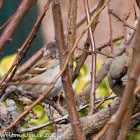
<point>55,107</point>
<point>83,17</point>
<point>6,22</point>
<point>136,115</point>
<point>125,40</point>
<point>110,23</point>
<point>87,44</point>
<point>1,4</point>
<point>102,132</point>
<point>93,69</point>
<point>95,52</point>
<point>103,100</point>
<point>137,90</point>
<point>115,15</point>
<point>66,80</point>
<point>109,43</point>
<point>23,83</point>
<point>17,19</point>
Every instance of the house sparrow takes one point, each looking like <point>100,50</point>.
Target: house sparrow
<point>117,75</point>
<point>44,71</point>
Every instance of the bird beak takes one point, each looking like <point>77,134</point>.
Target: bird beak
<point>114,83</point>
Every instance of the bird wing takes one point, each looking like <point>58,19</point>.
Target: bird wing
<point>41,66</point>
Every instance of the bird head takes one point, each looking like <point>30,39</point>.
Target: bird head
<point>117,75</point>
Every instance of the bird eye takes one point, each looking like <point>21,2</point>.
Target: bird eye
<point>119,82</point>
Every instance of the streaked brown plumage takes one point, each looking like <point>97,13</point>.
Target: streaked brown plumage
<point>44,71</point>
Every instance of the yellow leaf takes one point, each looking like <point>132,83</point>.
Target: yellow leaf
<point>6,63</point>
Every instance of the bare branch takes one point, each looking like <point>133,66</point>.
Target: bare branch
<point>10,30</point>
<point>6,22</point>
<point>67,84</point>
<point>93,69</point>
<point>125,109</point>
<point>71,30</point>
<point>110,23</point>
<point>87,44</point>
<point>1,4</point>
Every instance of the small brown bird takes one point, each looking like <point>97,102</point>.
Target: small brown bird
<point>44,71</point>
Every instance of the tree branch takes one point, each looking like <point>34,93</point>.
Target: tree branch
<point>10,30</point>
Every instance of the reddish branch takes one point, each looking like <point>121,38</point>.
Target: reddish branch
<point>137,90</point>
<point>125,110</point>
<point>67,84</point>
<point>92,11</point>
<point>71,30</point>
<point>6,22</point>
<point>10,30</point>
<point>125,24</point>
<point>102,132</point>
<point>136,115</point>
<point>125,40</point>
<point>93,69</point>
<point>1,4</point>
<point>110,23</point>
<point>103,100</point>
<point>22,83</point>
<point>80,36</point>
<point>109,43</point>
<point>86,46</point>
<point>95,52</point>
